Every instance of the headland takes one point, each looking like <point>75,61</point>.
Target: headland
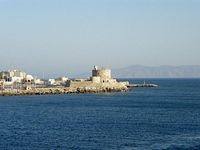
<point>17,83</point>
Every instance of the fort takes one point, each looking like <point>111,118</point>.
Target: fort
<point>101,78</point>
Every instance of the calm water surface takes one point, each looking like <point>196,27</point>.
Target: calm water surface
<point>165,118</point>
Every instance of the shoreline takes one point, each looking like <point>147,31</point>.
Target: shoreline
<point>62,90</point>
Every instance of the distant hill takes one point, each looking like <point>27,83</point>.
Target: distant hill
<point>138,71</point>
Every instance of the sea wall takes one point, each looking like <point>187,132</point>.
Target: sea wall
<point>61,90</point>
<point>90,84</point>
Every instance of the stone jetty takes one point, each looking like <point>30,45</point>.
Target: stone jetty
<point>142,85</point>
<point>61,90</point>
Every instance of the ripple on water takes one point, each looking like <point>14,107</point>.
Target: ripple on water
<point>165,118</point>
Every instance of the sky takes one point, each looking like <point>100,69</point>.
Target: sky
<point>67,37</point>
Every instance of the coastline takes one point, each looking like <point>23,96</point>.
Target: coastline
<point>17,83</point>
<point>62,90</point>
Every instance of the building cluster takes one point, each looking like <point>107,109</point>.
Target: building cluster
<point>101,78</point>
<point>19,79</point>
<point>12,76</point>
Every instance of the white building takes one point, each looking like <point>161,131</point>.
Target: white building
<point>51,82</point>
<point>15,76</point>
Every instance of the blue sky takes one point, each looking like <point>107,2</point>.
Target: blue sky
<point>65,37</point>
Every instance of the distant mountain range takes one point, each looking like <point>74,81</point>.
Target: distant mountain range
<point>138,71</point>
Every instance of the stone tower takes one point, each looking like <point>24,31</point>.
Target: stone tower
<point>104,74</point>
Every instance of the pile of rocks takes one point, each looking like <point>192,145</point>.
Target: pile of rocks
<point>101,89</point>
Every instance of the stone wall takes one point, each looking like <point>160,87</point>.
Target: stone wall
<point>77,84</point>
<point>80,84</point>
<point>95,79</point>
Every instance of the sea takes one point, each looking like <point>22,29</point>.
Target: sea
<point>163,118</point>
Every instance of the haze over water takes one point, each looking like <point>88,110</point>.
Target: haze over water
<point>54,38</point>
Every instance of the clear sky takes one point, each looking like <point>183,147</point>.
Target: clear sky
<point>63,37</point>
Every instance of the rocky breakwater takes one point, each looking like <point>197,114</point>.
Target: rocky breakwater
<point>101,89</point>
<point>38,91</point>
<point>62,90</point>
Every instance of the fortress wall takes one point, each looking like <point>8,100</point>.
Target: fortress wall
<point>96,79</point>
<point>77,84</point>
<point>113,84</point>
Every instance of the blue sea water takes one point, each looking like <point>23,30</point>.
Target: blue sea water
<point>164,118</point>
